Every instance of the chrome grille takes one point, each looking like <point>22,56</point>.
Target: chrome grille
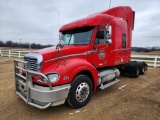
<point>32,62</point>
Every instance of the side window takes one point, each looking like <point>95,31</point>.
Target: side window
<point>100,39</point>
<point>66,38</point>
<point>123,40</point>
<point>72,40</point>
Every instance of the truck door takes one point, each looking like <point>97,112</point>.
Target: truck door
<point>99,48</point>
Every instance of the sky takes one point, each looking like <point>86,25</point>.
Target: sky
<point>38,21</point>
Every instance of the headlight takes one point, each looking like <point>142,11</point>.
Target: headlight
<point>52,77</point>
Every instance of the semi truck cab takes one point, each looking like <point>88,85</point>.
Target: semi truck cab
<point>91,54</point>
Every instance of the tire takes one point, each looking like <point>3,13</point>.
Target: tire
<point>142,71</point>
<point>135,73</point>
<point>80,92</point>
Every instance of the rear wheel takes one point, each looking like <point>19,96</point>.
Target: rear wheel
<point>80,92</point>
<point>135,73</point>
<point>142,71</point>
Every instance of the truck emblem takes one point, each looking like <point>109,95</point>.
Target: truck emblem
<point>102,54</point>
<point>66,78</point>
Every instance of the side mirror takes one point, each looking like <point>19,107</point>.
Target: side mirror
<point>94,46</point>
<point>109,42</point>
<point>108,31</point>
<point>60,45</point>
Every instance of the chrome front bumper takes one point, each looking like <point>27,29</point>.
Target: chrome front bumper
<point>35,95</point>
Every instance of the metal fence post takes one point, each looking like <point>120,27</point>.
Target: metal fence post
<point>9,52</point>
<point>19,54</point>
<point>155,62</point>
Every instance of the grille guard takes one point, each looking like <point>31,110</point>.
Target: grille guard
<point>28,83</point>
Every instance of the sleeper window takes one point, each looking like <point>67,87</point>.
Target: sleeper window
<point>124,41</point>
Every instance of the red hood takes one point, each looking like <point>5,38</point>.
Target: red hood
<point>51,52</point>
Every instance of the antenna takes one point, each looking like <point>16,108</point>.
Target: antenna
<point>108,25</point>
<point>59,18</point>
<point>110,4</point>
<point>59,23</point>
<point>110,8</point>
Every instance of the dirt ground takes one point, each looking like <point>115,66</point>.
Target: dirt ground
<point>130,99</point>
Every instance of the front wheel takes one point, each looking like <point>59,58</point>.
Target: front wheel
<point>80,92</point>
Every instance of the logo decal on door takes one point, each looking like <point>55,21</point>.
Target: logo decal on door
<point>101,54</point>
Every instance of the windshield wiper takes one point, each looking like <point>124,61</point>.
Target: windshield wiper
<point>69,39</point>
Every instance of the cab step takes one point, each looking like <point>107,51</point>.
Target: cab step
<point>102,87</point>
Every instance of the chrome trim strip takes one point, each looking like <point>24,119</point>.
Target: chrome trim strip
<point>121,49</point>
<point>73,55</point>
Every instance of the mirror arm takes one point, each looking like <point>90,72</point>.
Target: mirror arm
<point>95,47</point>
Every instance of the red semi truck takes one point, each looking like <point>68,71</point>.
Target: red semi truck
<point>92,54</point>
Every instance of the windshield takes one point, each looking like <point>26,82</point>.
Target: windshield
<point>80,36</point>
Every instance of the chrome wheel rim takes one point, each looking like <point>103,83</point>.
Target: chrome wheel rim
<point>82,92</point>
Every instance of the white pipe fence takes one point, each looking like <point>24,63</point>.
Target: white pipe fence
<point>151,60</point>
<point>13,53</point>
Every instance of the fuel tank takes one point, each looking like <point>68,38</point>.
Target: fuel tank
<point>108,75</point>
